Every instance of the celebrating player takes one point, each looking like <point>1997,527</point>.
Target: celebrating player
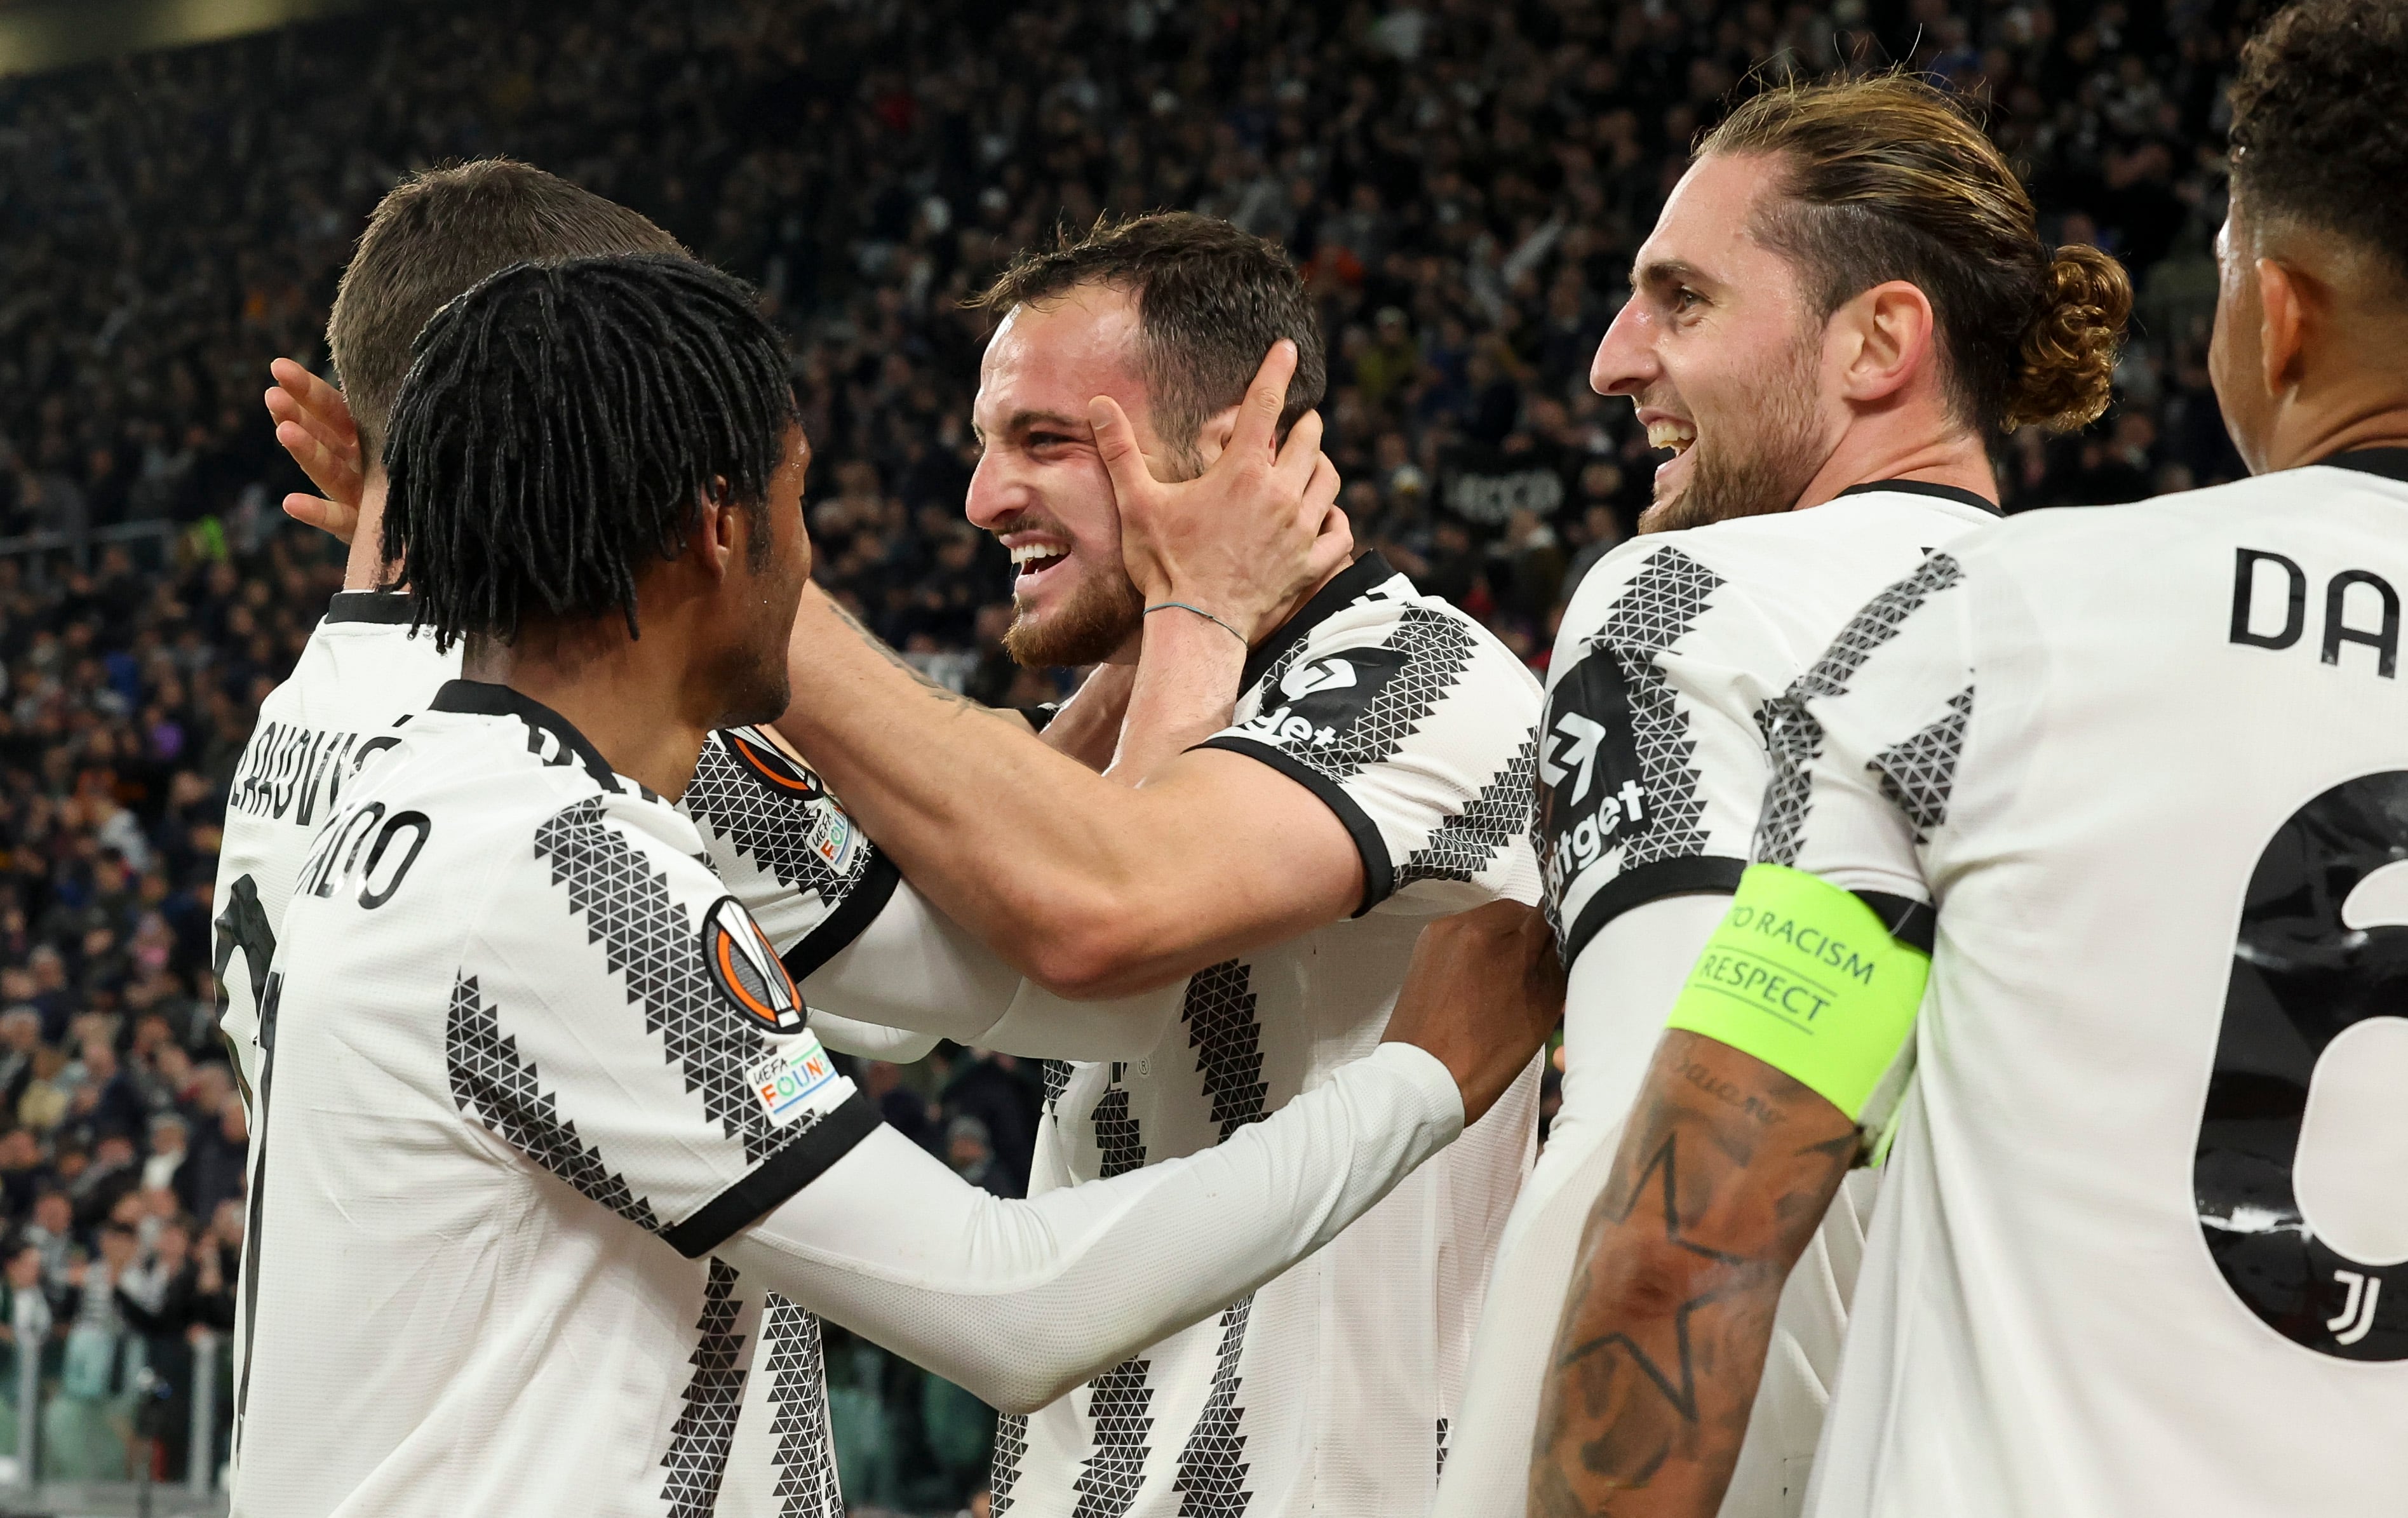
<point>550,1142</point>
<point>2130,789</point>
<point>1843,301</point>
<point>1362,765</point>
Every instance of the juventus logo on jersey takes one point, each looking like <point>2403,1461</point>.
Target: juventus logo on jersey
<point>746,968</point>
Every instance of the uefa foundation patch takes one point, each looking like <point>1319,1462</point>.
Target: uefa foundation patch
<point>746,967</point>
<point>798,1078</point>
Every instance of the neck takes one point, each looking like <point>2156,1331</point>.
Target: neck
<point>1933,458</point>
<point>365,568</point>
<point>625,695</point>
<point>2379,421</point>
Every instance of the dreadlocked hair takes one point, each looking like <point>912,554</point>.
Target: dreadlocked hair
<point>562,424</point>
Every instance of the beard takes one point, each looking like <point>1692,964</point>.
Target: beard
<point>1767,464</point>
<point>1097,620</point>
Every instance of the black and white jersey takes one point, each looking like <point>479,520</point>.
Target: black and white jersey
<point>785,847</point>
<point>362,671</point>
<point>1329,1389</point>
<point>525,1065</point>
<point>1652,761</point>
<point>2139,1247</point>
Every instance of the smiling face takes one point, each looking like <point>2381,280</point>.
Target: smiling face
<point>1041,487</point>
<point>1720,350</point>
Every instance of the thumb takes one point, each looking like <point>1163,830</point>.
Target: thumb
<point>1116,443</point>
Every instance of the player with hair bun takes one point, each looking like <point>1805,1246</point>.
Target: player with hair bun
<point>1844,302</point>
<point>2077,890</point>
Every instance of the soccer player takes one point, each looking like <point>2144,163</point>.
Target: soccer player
<point>2130,788</point>
<point>552,1144</point>
<point>1250,908</point>
<point>1843,303</point>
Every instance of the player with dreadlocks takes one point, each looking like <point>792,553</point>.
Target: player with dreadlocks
<point>551,1145</point>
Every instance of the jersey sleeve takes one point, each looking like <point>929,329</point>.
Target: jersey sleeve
<point>1820,966</point>
<point>1651,761</point>
<point>785,847</point>
<point>1415,728</point>
<point>621,1022</point>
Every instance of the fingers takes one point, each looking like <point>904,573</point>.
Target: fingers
<point>1297,456</point>
<point>1116,443</point>
<point>334,471</point>
<point>315,396</point>
<point>332,518</point>
<point>1333,549</point>
<point>1266,398</point>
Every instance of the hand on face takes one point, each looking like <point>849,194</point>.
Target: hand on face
<point>1246,538</point>
<point>314,425</point>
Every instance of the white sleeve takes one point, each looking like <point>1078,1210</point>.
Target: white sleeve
<point>1620,988</point>
<point>913,968</point>
<point>867,1041</point>
<point>1018,1301</point>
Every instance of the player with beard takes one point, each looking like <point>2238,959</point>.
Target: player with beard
<point>1323,771</point>
<point>2109,809</point>
<point>1840,305</point>
<point>554,1149</point>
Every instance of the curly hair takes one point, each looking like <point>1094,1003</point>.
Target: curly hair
<point>559,428</point>
<point>1884,178</point>
<point>2320,122</point>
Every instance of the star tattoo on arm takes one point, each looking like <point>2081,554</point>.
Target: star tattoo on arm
<point>1724,1174</point>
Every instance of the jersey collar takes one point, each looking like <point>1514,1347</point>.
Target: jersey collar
<point>482,698</point>
<point>1919,487</point>
<point>2390,463</point>
<point>1352,581</point>
<point>389,608</point>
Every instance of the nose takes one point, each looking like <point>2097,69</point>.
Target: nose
<point>994,498</point>
<point>1625,356</point>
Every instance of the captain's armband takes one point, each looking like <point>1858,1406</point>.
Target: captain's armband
<point>1807,978</point>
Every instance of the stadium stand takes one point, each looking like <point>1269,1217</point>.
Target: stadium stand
<point>1462,182</point>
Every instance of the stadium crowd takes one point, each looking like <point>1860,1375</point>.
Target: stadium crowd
<point>1464,184</point>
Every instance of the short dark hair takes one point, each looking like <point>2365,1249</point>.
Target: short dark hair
<point>2320,122</point>
<point>433,236</point>
<point>563,423</point>
<point>1211,298</point>
<point>1884,178</point>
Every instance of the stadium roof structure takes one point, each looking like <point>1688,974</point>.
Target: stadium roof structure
<point>38,35</point>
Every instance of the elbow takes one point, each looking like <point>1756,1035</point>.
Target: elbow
<point>1018,1386</point>
<point>1087,951</point>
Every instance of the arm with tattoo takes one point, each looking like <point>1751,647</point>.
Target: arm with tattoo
<point>1724,1171</point>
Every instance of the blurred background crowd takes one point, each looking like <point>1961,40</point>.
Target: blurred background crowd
<point>1463,183</point>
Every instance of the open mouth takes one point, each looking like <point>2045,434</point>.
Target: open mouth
<point>1679,436</point>
<point>1035,561</point>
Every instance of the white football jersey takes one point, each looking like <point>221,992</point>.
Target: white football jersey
<point>508,990</point>
<point>1650,771</point>
<point>362,671</point>
<point>2141,1237</point>
<point>1330,1389</point>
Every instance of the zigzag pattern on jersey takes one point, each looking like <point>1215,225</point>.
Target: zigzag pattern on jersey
<point>701,1438</point>
<point>1003,1471</point>
<point>1120,1148</point>
<point>1117,1405</point>
<point>1056,1073</point>
<point>490,1084</point>
<point>1919,773</point>
<point>1796,738</point>
<point>772,830</point>
<point>1656,610</point>
<point>1212,1476</point>
<point>1438,649</point>
<point>1223,1029</point>
<point>647,940</point>
<point>797,1371</point>
<point>1463,844</point>
<point>1442,1449</point>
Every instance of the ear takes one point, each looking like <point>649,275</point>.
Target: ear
<point>1886,337</point>
<point>2283,299</point>
<point>719,534</point>
<point>1213,438</point>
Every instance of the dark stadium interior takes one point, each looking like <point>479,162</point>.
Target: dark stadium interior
<point>1464,183</point>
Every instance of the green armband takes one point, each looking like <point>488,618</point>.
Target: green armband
<point>1805,977</point>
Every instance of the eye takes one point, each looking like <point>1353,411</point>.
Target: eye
<point>1684,299</point>
<point>1039,440</point>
